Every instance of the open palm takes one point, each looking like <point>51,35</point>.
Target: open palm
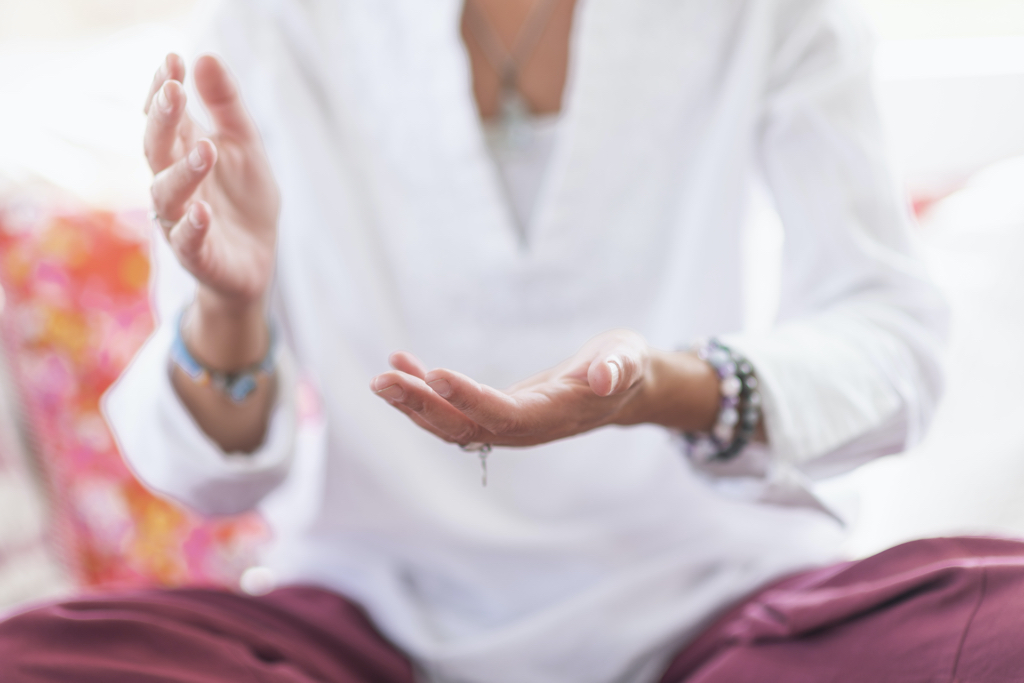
<point>214,194</point>
<point>592,388</point>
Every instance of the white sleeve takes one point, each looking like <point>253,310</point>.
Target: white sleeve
<point>162,442</point>
<point>852,369</point>
<point>157,435</point>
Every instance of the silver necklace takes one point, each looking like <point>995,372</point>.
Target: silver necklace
<point>513,110</point>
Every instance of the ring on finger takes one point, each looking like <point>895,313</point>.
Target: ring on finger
<point>476,447</point>
<point>161,221</point>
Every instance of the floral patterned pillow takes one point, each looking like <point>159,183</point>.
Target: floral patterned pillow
<point>76,284</point>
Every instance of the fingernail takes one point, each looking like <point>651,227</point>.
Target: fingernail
<point>162,101</point>
<point>195,160</point>
<point>441,387</point>
<point>193,217</point>
<point>615,368</point>
<point>394,392</point>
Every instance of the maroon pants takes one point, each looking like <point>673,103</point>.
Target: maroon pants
<point>941,610</point>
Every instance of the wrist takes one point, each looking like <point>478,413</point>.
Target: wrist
<point>679,391</point>
<point>225,335</point>
<point>739,411</point>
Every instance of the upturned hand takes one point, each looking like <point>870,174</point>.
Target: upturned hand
<point>600,384</point>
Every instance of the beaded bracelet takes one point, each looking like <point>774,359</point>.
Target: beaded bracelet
<point>739,410</point>
<point>237,385</point>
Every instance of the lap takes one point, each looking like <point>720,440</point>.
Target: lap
<point>935,610</point>
<point>932,610</point>
<point>294,635</point>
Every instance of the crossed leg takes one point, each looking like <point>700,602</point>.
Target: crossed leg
<point>294,635</point>
<point>936,610</point>
<point>949,610</point>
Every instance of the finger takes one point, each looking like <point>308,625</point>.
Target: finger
<point>420,422</point>
<point>187,238</point>
<point>618,365</point>
<point>162,125</point>
<point>173,69</point>
<point>495,411</point>
<point>407,363</point>
<point>173,186</point>
<point>413,393</point>
<point>221,96</point>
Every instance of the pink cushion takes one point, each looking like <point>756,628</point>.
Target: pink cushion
<point>77,310</point>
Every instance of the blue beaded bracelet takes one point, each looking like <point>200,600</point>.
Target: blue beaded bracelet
<point>237,385</point>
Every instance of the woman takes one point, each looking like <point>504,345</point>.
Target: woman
<point>492,186</point>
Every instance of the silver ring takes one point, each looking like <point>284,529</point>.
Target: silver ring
<point>161,222</point>
<point>476,447</point>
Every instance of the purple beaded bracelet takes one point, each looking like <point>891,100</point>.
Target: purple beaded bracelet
<point>739,410</point>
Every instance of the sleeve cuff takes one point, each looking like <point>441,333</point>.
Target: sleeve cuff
<point>755,475</point>
<point>804,416</point>
<point>170,453</point>
<point>815,429</point>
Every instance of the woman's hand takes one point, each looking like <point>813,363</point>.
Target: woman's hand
<point>217,202</point>
<point>603,383</point>
<point>215,195</point>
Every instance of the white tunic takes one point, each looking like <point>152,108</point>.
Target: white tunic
<point>594,558</point>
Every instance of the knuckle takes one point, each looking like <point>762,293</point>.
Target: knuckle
<point>413,402</point>
<point>461,398</point>
<point>467,434</point>
<point>508,424</point>
<point>460,401</point>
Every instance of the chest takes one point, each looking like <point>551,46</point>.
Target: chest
<point>401,222</point>
<point>518,53</point>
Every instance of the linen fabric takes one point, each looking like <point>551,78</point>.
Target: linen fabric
<point>298,634</point>
<point>943,609</point>
<point>932,610</point>
<point>395,233</point>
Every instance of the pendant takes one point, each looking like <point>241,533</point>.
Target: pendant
<point>483,468</point>
<point>514,116</point>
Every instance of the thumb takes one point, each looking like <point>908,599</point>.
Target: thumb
<point>618,367</point>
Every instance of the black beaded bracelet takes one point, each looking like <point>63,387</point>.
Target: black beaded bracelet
<point>739,411</point>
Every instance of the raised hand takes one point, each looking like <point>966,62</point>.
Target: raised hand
<point>215,197</point>
<point>605,382</point>
<point>214,193</point>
